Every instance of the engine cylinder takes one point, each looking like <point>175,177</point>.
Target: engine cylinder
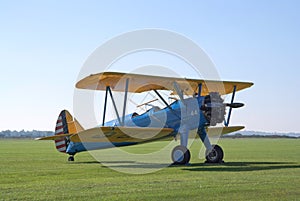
<point>213,108</point>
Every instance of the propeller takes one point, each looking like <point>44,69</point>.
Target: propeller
<point>216,105</point>
<point>234,105</point>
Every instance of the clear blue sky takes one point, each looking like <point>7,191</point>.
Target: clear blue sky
<point>43,45</point>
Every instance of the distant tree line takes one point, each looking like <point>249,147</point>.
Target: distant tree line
<point>25,134</point>
<point>254,134</point>
<point>241,134</point>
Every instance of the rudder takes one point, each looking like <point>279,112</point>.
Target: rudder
<point>65,124</point>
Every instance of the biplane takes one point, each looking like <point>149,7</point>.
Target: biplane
<point>198,106</point>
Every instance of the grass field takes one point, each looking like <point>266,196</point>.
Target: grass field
<point>254,169</point>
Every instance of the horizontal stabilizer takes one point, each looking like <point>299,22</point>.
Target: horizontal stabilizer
<point>54,137</point>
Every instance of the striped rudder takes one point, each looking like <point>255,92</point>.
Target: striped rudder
<point>61,128</point>
<point>65,124</point>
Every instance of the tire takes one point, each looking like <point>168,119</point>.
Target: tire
<point>215,155</point>
<point>71,158</point>
<point>180,155</point>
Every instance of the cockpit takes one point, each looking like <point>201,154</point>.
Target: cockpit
<point>149,111</point>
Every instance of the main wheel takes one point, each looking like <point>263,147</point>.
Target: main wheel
<point>71,158</point>
<point>181,155</point>
<point>215,155</point>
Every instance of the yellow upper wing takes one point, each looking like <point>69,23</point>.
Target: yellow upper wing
<point>140,83</point>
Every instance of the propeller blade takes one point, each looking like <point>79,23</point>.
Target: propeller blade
<point>234,105</point>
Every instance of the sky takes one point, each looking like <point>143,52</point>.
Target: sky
<point>44,44</point>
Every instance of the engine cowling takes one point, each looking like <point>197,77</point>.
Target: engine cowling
<point>213,108</point>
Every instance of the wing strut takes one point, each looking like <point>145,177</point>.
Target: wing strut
<point>105,103</point>
<point>163,100</point>
<point>199,89</point>
<point>125,100</point>
<point>168,106</point>
<point>230,109</point>
<point>114,104</point>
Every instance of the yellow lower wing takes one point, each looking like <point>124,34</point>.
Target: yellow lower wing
<point>134,134</point>
<point>121,134</point>
<point>217,131</point>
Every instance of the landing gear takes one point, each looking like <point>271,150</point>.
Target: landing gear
<point>181,155</point>
<point>71,158</point>
<point>215,155</point>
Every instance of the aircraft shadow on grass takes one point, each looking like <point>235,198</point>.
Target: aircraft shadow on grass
<point>223,167</point>
<point>241,166</point>
<point>125,164</point>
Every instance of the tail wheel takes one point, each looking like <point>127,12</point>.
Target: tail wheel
<point>215,155</point>
<point>71,158</point>
<point>181,155</point>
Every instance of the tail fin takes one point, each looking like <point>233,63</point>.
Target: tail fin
<point>65,124</point>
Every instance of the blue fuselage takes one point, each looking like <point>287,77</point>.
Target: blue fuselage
<point>179,113</point>
<point>182,116</point>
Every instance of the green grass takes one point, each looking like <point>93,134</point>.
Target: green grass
<point>255,169</point>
